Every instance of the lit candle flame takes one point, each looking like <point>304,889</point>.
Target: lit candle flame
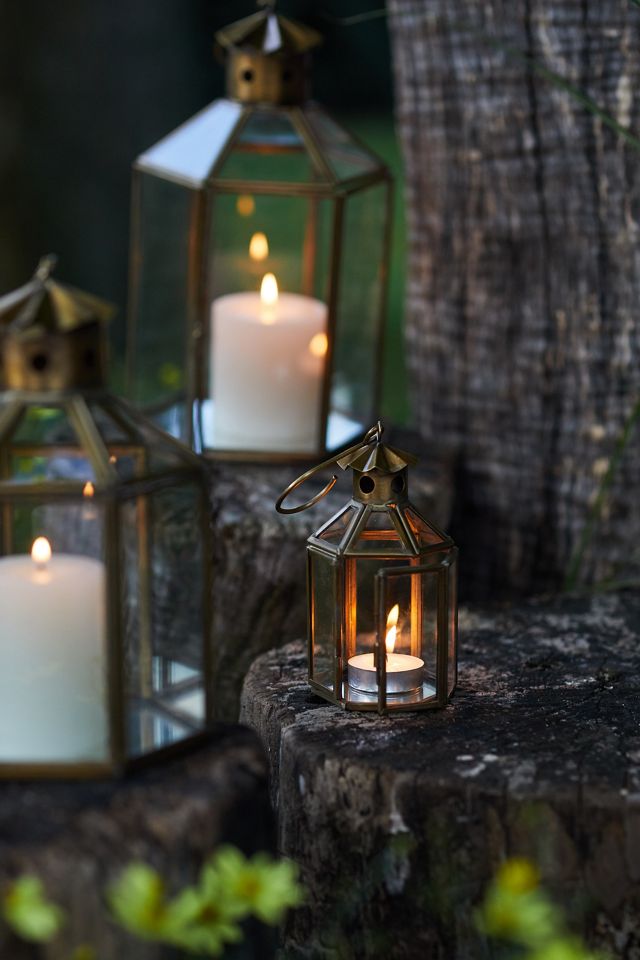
<point>392,628</point>
<point>269,290</point>
<point>318,345</point>
<point>259,247</point>
<point>41,552</point>
<point>88,490</point>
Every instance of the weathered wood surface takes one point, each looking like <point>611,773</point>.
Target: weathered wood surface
<point>399,823</point>
<point>524,273</point>
<point>259,565</point>
<point>77,837</point>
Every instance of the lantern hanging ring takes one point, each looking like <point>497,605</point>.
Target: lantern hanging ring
<point>373,435</point>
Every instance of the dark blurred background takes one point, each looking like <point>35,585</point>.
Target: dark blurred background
<point>85,87</point>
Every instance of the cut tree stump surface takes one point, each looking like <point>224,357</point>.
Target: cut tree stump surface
<point>77,837</point>
<point>399,823</point>
<point>259,565</point>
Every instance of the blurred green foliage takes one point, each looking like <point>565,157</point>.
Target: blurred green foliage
<point>518,912</point>
<point>201,919</point>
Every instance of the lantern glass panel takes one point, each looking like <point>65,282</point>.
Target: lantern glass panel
<point>452,617</point>
<point>417,591</point>
<point>163,293</point>
<point>269,148</point>
<point>44,447</point>
<point>53,676</point>
<point>359,306</point>
<point>333,531</point>
<point>265,366</point>
<point>345,155</point>
<point>323,573</point>
<point>425,534</point>
<point>379,535</point>
<point>165,603</point>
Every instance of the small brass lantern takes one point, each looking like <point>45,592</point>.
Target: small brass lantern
<point>260,242</point>
<point>382,591</point>
<point>104,555</point>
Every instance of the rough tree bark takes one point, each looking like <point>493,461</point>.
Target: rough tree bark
<point>399,823</point>
<point>524,274</point>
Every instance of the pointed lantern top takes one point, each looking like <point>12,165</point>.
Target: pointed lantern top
<point>53,335</point>
<point>373,454</point>
<point>43,305</point>
<point>266,57</point>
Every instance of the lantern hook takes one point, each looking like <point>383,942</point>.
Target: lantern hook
<point>372,435</point>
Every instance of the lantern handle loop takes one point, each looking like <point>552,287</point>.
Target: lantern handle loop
<point>371,435</point>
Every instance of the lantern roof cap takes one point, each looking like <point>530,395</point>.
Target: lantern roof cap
<point>269,33</point>
<point>373,454</point>
<point>45,306</point>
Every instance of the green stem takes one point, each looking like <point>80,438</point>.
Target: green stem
<point>575,564</point>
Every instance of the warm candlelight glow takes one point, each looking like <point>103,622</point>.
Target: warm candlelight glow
<point>88,490</point>
<point>269,290</point>
<point>245,205</point>
<point>318,345</point>
<point>259,247</point>
<point>41,552</point>
<point>392,628</point>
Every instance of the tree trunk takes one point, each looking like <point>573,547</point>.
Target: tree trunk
<point>524,274</point>
<point>399,823</point>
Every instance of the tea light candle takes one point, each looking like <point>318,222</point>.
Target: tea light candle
<point>404,672</point>
<point>267,363</point>
<point>52,657</point>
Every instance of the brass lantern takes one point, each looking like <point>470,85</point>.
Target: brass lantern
<point>260,234</point>
<point>382,591</point>
<point>104,555</point>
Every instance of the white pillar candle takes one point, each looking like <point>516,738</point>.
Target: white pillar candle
<point>52,658</point>
<point>267,363</point>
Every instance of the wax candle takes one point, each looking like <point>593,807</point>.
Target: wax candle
<point>52,657</point>
<point>404,672</point>
<point>267,363</point>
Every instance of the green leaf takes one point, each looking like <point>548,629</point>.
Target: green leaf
<point>28,913</point>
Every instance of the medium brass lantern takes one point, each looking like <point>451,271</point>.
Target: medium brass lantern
<point>104,555</point>
<point>260,235</point>
<point>382,591</point>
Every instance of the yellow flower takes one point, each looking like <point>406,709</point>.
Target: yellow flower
<point>518,875</point>
<point>260,886</point>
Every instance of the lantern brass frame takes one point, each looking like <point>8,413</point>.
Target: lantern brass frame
<point>380,487</point>
<point>201,278</point>
<point>112,491</point>
<point>343,562</point>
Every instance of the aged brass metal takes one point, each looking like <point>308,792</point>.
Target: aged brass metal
<point>64,438</point>
<point>375,555</point>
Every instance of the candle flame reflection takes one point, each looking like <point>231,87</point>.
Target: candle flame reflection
<point>259,247</point>
<point>88,490</point>
<point>318,345</point>
<point>392,628</point>
<point>41,552</point>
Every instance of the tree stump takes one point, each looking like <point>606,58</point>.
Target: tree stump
<point>259,568</point>
<point>524,279</point>
<point>399,823</point>
<point>77,837</point>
